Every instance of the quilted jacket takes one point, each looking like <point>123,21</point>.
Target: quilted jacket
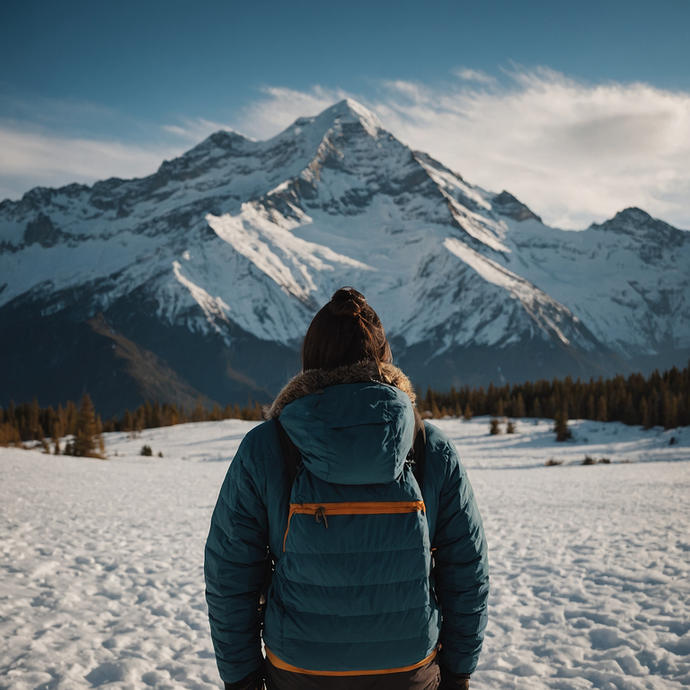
<point>387,611</point>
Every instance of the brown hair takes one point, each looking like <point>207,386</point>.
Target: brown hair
<point>347,330</point>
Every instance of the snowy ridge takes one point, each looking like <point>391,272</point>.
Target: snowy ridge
<point>628,279</point>
<point>258,234</point>
<point>544,311</point>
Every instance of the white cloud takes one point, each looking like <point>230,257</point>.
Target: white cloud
<point>195,131</point>
<point>32,159</point>
<point>574,152</point>
<point>52,142</point>
<point>474,75</point>
<point>280,107</point>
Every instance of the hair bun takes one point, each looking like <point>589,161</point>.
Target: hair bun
<point>347,302</point>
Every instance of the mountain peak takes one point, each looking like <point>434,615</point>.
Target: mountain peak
<point>347,111</point>
<point>507,205</point>
<point>638,224</point>
<point>632,215</point>
<point>222,140</point>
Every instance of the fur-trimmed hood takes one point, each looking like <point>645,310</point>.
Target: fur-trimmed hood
<point>315,380</point>
<point>353,425</point>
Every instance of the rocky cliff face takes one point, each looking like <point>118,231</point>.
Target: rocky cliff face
<point>214,266</point>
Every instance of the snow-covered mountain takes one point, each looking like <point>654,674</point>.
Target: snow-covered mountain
<point>204,276</point>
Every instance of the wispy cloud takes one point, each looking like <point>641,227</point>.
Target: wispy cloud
<point>574,152</point>
<point>279,107</point>
<point>474,75</point>
<point>31,159</point>
<point>195,131</point>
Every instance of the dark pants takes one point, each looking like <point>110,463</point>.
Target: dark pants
<point>425,678</point>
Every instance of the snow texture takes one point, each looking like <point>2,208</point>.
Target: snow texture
<point>260,233</point>
<point>102,582</point>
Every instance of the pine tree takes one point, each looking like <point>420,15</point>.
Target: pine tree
<point>11,415</point>
<point>156,415</point>
<point>71,415</point>
<point>148,414</point>
<point>9,434</point>
<point>127,421</point>
<point>139,420</point>
<point>519,407</point>
<point>258,412</point>
<point>602,414</point>
<point>468,412</point>
<point>563,433</point>
<point>644,414</point>
<point>199,414</point>
<point>33,420</point>
<point>683,417</point>
<point>670,411</point>
<point>629,413</point>
<point>87,440</point>
<point>537,409</point>
<point>494,429</point>
<point>654,407</point>
<point>591,413</point>
<point>99,436</point>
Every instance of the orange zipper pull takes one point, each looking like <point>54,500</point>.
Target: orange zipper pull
<point>321,513</point>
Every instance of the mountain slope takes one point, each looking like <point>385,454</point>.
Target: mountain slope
<point>218,261</point>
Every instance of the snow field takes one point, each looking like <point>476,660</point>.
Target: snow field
<point>589,577</point>
<point>101,581</point>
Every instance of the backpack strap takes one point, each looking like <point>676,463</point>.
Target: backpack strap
<point>291,453</point>
<point>419,448</point>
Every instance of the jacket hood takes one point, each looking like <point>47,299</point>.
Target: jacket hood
<point>353,425</point>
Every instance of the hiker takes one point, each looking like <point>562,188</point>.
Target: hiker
<point>346,534</point>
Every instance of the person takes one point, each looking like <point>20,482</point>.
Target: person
<point>354,598</point>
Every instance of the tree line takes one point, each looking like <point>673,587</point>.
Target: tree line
<point>659,400</point>
<point>29,422</point>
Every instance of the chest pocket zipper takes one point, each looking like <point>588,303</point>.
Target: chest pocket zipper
<point>321,510</point>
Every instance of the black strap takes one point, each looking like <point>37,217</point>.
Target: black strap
<point>291,453</point>
<point>419,448</point>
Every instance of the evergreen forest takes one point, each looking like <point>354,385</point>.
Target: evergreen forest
<point>662,399</point>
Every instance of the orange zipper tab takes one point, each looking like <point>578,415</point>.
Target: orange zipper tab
<point>321,510</point>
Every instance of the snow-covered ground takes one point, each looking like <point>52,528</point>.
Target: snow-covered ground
<point>101,581</point>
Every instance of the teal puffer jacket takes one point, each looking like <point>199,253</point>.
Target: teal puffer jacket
<point>384,610</point>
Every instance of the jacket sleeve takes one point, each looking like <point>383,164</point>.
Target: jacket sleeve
<point>462,569</point>
<point>234,568</point>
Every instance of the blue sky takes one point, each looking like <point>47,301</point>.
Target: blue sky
<point>580,109</point>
